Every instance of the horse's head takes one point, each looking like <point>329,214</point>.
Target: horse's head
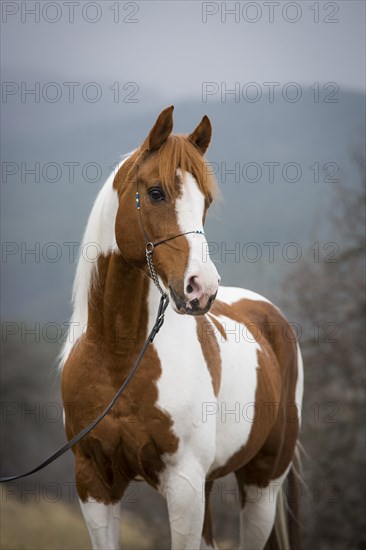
<point>175,189</point>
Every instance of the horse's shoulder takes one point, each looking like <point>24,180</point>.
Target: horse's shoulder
<point>244,305</point>
<point>262,318</point>
<point>230,294</point>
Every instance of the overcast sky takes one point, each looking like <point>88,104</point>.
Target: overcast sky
<point>174,46</point>
<point>169,49</point>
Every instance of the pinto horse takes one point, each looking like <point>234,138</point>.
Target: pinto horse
<point>217,390</point>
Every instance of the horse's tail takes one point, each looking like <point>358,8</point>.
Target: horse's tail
<point>286,531</point>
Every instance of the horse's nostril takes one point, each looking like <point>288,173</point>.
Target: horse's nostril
<point>195,303</point>
<point>193,286</point>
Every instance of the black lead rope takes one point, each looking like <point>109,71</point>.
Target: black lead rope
<point>164,301</point>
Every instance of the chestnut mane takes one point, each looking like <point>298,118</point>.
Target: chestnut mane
<point>176,152</point>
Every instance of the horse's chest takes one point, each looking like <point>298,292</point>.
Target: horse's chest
<point>216,425</point>
<point>185,383</point>
<point>233,413</point>
<point>240,413</point>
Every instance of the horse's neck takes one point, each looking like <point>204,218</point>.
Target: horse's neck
<point>118,308</point>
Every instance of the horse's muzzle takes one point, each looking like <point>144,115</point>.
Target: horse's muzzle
<point>191,307</point>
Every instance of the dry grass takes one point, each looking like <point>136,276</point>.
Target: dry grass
<point>57,526</point>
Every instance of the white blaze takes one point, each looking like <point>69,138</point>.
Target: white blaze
<point>190,209</point>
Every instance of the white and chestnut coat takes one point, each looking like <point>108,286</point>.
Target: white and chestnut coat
<point>219,389</point>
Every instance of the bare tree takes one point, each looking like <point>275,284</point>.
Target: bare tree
<point>329,298</point>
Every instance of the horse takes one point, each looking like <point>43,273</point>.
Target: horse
<point>219,389</point>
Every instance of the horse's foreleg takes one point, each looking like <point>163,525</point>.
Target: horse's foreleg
<point>184,489</point>
<point>100,491</point>
<point>104,524</point>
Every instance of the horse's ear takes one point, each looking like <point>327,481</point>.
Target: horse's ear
<point>161,130</point>
<point>201,136</point>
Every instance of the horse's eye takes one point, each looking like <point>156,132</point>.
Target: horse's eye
<point>156,194</point>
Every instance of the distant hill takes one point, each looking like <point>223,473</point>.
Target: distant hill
<point>252,135</point>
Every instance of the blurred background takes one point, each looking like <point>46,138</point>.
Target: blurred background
<point>284,86</point>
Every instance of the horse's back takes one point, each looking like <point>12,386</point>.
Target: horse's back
<point>261,383</point>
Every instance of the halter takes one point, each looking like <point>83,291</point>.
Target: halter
<point>150,246</point>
